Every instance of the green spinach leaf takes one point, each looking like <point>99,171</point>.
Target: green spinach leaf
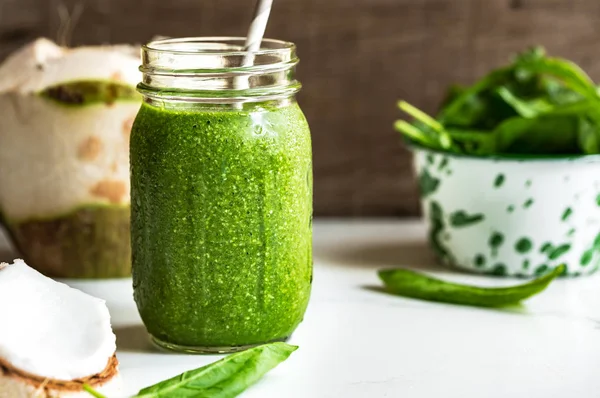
<point>225,378</point>
<point>526,108</point>
<point>403,282</point>
<point>543,135</point>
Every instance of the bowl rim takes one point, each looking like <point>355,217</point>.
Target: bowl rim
<point>593,158</point>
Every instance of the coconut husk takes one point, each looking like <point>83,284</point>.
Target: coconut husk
<point>51,386</point>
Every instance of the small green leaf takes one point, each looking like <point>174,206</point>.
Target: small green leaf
<point>225,378</point>
<point>412,284</point>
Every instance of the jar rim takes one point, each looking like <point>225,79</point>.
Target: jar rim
<point>216,45</point>
<point>218,69</point>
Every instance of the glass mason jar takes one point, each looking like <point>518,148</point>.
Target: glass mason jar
<point>221,192</point>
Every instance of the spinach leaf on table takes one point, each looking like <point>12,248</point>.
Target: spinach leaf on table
<point>226,378</point>
<point>407,283</point>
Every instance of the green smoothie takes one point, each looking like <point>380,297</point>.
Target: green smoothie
<point>221,223</point>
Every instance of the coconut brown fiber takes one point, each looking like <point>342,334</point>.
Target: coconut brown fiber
<point>91,242</point>
<point>48,385</point>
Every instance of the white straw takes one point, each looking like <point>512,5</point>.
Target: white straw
<point>254,37</point>
<point>258,26</point>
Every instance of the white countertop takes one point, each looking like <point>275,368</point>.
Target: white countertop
<point>356,342</point>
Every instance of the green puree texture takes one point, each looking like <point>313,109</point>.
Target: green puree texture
<point>221,223</point>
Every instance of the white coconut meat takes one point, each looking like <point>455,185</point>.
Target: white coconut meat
<point>50,330</point>
<point>43,64</point>
<point>55,158</point>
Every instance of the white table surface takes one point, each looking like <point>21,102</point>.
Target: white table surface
<point>356,342</point>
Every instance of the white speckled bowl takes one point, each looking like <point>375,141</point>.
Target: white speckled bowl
<point>512,215</point>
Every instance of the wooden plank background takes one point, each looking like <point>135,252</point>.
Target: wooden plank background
<point>357,58</point>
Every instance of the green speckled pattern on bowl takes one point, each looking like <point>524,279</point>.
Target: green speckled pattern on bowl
<point>511,216</point>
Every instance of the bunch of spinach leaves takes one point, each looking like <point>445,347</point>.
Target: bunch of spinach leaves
<point>537,105</point>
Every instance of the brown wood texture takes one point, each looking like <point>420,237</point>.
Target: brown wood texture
<point>357,58</point>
